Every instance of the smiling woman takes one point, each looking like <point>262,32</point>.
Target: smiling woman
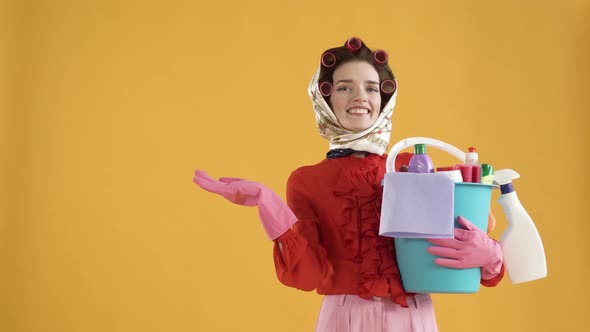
<point>356,101</point>
<point>353,95</point>
<point>326,236</point>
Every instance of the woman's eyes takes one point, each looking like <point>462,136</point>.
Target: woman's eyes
<point>346,88</point>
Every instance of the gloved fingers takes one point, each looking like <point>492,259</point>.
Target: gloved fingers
<point>213,186</point>
<point>444,252</point>
<point>447,243</point>
<point>464,235</point>
<point>452,263</point>
<point>209,184</point>
<point>466,223</point>
<point>238,192</point>
<point>203,176</point>
<point>226,179</point>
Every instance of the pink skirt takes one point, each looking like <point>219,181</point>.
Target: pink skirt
<point>351,313</point>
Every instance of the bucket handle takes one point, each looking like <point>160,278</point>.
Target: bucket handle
<point>408,142</point>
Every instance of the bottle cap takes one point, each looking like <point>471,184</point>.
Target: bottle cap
<point>471,156</point>
<point>506,188</point>
<point>419,148</point>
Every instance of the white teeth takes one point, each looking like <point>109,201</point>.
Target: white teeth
<point>358,111</point>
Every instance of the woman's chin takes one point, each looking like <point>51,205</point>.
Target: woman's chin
<point>357,126</point>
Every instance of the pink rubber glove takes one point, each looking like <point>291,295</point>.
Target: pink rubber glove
<point>470,248</point>
<point>275,215</point>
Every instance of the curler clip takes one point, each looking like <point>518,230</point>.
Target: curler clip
<point>325,88</point>
<point>353,44</point>
<point>328,59</point>
<point>380,57</point>
<point>388,87</point>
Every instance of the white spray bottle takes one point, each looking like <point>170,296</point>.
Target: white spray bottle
<point>524,256</point>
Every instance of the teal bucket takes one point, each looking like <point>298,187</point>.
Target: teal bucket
<point>418,271</point>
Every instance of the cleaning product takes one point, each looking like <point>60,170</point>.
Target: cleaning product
<point>420,161</point>
<point>471,158</point>
<point>524,256</point>
<point>466,172</point>
<point>476,175</point>
<point>487,174</point>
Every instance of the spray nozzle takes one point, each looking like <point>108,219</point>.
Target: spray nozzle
<point>505,176</point>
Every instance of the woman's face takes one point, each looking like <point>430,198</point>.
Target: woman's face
<point>356,100</point>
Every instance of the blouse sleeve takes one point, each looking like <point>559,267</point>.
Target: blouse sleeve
<point>299,257</point>
<point>494,280</point>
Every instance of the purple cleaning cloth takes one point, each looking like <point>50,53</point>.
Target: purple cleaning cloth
<point>417,205</point>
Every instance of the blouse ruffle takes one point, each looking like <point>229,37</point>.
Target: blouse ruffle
<point>361,194</point>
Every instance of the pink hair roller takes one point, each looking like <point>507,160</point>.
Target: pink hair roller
<point>328,59</point>
<point>353,44</point>
<point>388,87</point>
<point>380,57</point>
<point>326,89</point>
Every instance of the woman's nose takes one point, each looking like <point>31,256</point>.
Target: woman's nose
<point>360,95</point>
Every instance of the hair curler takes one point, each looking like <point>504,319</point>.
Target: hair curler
<point>325,88</point>
<point>353,44</point>
<point>380,57</point>
<point>328,59</point>
<point>388,86</point>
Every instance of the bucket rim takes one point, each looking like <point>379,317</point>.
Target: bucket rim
<point>476,184</point>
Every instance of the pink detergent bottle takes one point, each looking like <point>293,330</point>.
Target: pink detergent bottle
<point>420,162</point>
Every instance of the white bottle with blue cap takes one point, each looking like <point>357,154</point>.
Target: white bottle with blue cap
<point>524,256</point>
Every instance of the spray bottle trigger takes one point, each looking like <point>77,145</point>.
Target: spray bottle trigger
<point>505,176</point>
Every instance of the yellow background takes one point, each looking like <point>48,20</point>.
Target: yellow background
<point>109,106</point>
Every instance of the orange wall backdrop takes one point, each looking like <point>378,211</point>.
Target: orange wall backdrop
<point>109,106</point>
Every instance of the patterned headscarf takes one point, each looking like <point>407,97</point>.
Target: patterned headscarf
<point>374,139</point>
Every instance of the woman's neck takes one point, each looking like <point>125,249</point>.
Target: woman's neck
<point>359,154</point>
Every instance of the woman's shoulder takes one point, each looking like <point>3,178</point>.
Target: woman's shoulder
<point>311,170</point>
<point>321,172</point>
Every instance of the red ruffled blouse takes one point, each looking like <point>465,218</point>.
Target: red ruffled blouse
<point>334,247</point>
